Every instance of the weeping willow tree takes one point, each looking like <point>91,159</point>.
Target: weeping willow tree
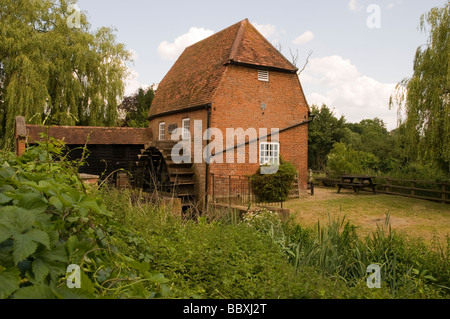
<point>52,66</point>
<point>425,97</point>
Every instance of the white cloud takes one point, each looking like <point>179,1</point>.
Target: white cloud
<point>354,5</point>
<point>172,50</point>
<point>304,38</point>
<point>270,32</point>
<point>267,30</point>
<point>336,82</point>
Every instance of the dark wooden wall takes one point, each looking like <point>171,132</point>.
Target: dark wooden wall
<point>104,159</point>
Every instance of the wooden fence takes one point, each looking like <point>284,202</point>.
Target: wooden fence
<point>428,190</point>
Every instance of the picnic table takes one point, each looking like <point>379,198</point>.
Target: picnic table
<point>356,182</point>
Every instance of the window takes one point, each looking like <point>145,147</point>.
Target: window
<point>162,131</point>
<point>186,129</point>
<point>263,75</point>
<point>269,153</point>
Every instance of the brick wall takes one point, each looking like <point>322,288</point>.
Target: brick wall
<point>199,168</point>
<point>237,103</point>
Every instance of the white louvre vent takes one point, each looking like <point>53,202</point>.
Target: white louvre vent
<point>263,75</point>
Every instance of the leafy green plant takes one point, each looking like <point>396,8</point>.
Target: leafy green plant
<point>274,187</point>
<point>50,220</point>
<point>409,269</point>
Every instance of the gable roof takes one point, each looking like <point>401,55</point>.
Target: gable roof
<point>195,76</point>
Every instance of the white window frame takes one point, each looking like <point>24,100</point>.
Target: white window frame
<point>186,129</point>
<point>162,131</point>
<point>269,153</point>
<point>263,75</point>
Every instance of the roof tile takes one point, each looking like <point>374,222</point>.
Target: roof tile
<point>195,76</point>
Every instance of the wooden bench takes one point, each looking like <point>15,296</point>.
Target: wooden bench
<point>348,181</point>
<point>356,186</point>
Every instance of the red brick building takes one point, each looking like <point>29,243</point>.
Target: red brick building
<point>233,79</point>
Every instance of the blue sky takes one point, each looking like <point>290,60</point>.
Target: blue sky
<point>361,48</point>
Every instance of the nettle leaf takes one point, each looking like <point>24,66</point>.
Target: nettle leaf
<point>23,247</point>
<point>67,200</point>
<point>39,236</point>
<point>56,202</point>
<point>6,188</point>
<point>5,233</point>
<point>7,171</point>
<point>67,293</point>
<point>35,292</point>
<point>9,282</point>
<point>50,262</point>
<point>42,186</point>
<point>40,270</point>
<point>86,283</point>
<point>16,218</point>
<point>26,244</point>
<point>4,199</point>
<point>34,202</point>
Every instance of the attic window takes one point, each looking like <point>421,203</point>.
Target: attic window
<point>263,75</point>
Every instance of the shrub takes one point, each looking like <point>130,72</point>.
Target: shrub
<point>49,220</point>
<point>274,187</point>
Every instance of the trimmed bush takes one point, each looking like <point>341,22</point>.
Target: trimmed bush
<point>274,187</point>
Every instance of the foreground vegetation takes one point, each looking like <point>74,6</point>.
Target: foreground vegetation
<point>127,248</point>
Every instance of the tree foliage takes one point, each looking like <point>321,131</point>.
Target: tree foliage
<point>425,97</point>
<point>136,107</point>
<point>324,132</point>
<point>344,159</point>
<point>52,68</point>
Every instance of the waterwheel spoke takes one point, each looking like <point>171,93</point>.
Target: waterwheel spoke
<point>161,174</point>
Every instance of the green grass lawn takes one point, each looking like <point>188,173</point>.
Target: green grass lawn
<point>409,216</point>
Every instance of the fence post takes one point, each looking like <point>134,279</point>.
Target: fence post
<point>388,185</point>
<point>213,187</point>
<point>229,190</point>
<point>249,190</point>
<point>443,188</point>
<point>413,183</point>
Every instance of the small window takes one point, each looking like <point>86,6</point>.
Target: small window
<point>162,131</point>
<point>269,153</point>
<point>186,129</point>
<point>263,75</point>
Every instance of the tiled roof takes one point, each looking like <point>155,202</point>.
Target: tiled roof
<point>79,135</point>
<point>195,76</point>
<point>250,47</point>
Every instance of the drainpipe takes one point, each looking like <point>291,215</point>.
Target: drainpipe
<point>208,124</point>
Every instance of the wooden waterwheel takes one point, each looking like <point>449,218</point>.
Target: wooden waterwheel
<point>157,173</point>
